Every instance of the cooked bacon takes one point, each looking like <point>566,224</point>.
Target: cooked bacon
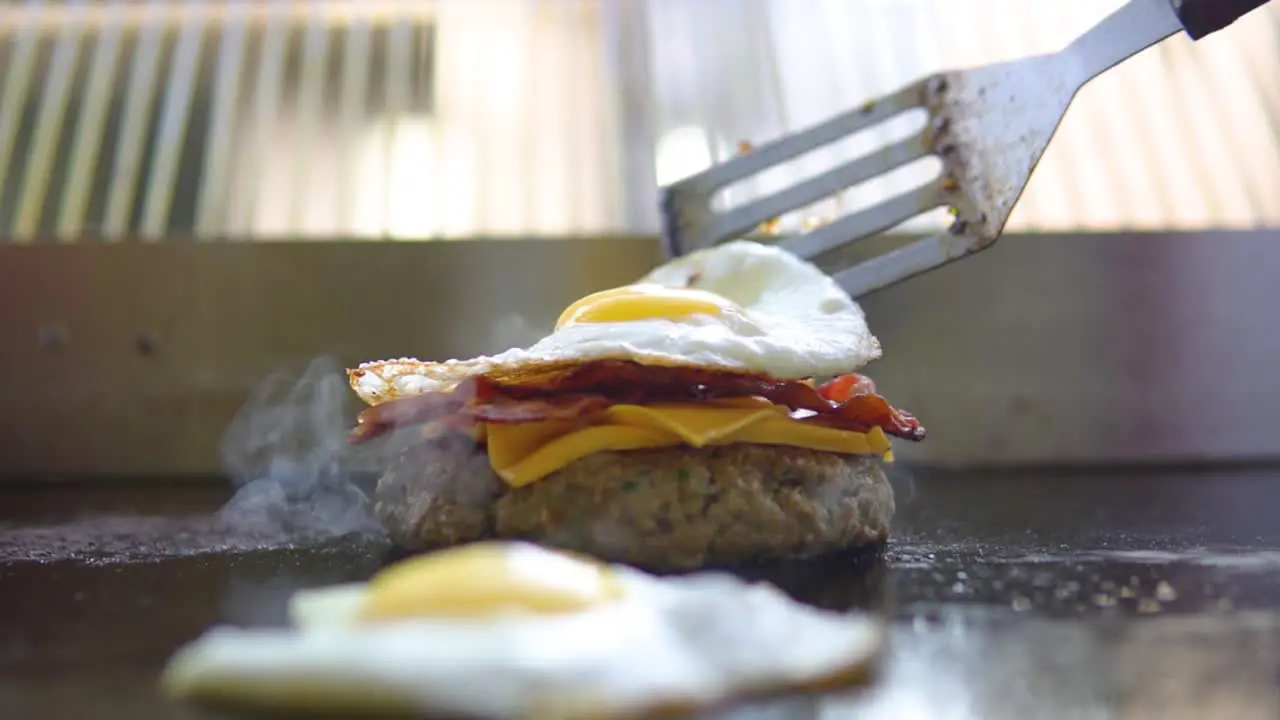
<point>468,404</point>
<point>845,387</point>
<point>502,409</point>
<point>849,401</point>
<point>415,410</point>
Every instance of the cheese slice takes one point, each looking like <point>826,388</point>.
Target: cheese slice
<point>522,453</point>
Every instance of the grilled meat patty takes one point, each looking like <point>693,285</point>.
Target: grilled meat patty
<point>663,508</point>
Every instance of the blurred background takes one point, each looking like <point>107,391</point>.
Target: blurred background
<point>196,194</point>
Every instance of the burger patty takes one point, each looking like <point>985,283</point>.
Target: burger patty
<point>664,508</point>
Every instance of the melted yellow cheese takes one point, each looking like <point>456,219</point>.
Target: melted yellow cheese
<point>488,578</point>
<point>644,302</point>
<point>526,452</point>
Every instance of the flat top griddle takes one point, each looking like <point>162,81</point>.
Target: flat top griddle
<point>1013,596</point>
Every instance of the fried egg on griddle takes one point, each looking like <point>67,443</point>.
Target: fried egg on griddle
<point>509,630</point>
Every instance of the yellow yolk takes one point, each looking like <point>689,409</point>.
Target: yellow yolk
<point>522,453</point>
<point>486,579</point>
<point>644,302</point>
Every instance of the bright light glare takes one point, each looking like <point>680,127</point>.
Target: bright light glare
<point>396,194</point>
<point>681,152</point>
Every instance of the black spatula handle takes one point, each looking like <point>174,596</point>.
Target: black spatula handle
<point>1204,17</point>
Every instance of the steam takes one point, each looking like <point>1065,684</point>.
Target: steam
<point>515,331</point>
<point>903,481</point>
<point>287,454</point>
<point>260,602</point>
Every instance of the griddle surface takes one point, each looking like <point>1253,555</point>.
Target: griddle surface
<point>1013,596</point>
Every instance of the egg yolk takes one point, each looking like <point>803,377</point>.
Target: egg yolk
<point>487,579</point>
<point>644,302</point>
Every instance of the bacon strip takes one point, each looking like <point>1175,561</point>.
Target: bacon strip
<point>501,409</point>
<point>858,408</point>
<point>466,405</point>
<point>850,401</point>
<point>404,412</point>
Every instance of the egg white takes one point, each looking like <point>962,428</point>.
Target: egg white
<point>795,322</point>
<point>691,642</point>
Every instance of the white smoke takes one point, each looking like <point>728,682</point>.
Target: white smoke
<point>287,454</point>
<point>516,331</point>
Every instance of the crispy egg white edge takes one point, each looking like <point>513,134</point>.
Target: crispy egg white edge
<point>824,334</point>
<point>617,658</point>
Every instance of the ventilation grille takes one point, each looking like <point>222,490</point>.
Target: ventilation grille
<point>457,118</point>
<point>157,119</point>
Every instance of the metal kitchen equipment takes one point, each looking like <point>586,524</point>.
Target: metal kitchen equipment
<point>137,313</point>
<point>989,126</point>
<point>1121,321</point>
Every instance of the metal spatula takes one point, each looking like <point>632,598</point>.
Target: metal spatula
<point>988,126</point>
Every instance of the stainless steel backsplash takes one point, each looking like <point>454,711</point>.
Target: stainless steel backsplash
<point>132,359</point>
<point>1092,349</point>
